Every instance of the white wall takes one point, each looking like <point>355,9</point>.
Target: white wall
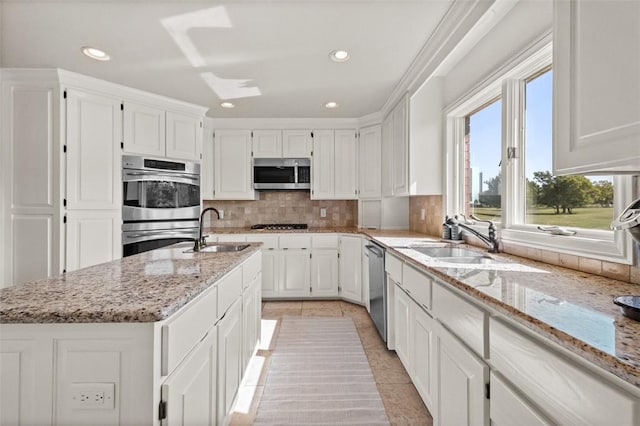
<point>526,22</point>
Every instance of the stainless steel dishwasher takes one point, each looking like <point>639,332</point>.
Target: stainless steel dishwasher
<point>377,288</point>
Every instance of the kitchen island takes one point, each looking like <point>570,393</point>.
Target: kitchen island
<point>131,341</point>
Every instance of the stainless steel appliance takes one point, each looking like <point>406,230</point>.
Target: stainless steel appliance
<point>161,203</point>
<point>280,226</point>
<point>282,173</point>
<point>159,189</point>
<point>377,288</point>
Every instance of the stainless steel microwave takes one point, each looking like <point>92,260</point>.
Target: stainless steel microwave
<point>282,173</point>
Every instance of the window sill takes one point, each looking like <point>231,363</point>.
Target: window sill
<point>618,249</point>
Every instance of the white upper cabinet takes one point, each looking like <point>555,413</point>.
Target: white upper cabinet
<point>144,129</point>
<point>206,166</point>
<point>387,156</point>
<point>296,143</point>
<point>400,149</point>
<point>596,61</point>
<point>184,136</point>
<point>267,143</point>
<point>323,163</point>
<point>232,165</point>
<point>155,131</point>
<point>370,149</point>
<point>334,165</point>
<point>345,165</point>
<point>93,152</point>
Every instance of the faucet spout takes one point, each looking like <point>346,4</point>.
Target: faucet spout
<point>490,240</point>
<point>200,243</point>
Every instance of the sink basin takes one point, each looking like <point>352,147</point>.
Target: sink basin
<point>220,248</point>
<point>475,260</point>
<point>447,252</point>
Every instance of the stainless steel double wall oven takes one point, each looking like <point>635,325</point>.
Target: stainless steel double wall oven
<point>161,203</point>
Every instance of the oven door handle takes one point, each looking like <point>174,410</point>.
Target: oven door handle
<point>155,233</point>
<point>157,176</point>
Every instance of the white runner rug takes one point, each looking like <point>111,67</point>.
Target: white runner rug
<point>319,375</point>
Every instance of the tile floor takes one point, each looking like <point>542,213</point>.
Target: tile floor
<point>400,398</point>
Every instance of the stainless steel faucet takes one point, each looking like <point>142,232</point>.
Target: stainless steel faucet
<point>201,242</point>
<point>489,240</point>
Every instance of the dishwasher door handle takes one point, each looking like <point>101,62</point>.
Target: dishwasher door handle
<point>375,250</point>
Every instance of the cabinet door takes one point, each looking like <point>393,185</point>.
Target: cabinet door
<point>93,237</point>
<point>596,87</point>
<point>370,149</point>
<point>232,161</point>
<point>401,312</point>
<point>462,378</point>
<point>387,156</point>
<point>345,165</point>
<point>422,342</point>
<point>350,268</point>
<point>206,165</point>
<point>322,184</point>
<point>509,408</point>
<point>400,150</point>
<point>184,136</point>
<point>248,313</point>
<point>296,143</point>
<point>144,129</point>
<point>295,273</point>
<point>94,126</point>
<point>267,143</point>
<point>365,274</point>
<point>229,358</point>
<point>324,273</point>
<point>270,272</point>
<point>190,392</point>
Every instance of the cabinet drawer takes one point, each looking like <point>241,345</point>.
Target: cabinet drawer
<point>508,408</point>
<point>229,289</point>
<point>393,266</point>
<point>268,241</point>
<point>324,241</point>
<point>569,393</point>
<point>462,318</point>
<point>251,268</point>
<point>418,285</point>
<point>295,241</point>
<point>184,331</point>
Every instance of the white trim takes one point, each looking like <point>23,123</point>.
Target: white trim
<point>507,81</point>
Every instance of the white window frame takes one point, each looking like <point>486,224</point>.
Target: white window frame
<point>509,83</point>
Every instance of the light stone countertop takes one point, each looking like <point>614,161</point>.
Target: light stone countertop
<point>146,287</point>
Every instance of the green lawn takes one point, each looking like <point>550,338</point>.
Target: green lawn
<point>585,217</point>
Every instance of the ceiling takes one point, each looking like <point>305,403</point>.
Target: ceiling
<point>270,58</point>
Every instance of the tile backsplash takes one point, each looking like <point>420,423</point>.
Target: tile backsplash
<point>284,207</point>
<point>433,207</point>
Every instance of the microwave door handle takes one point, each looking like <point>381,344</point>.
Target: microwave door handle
<point>295,172</point>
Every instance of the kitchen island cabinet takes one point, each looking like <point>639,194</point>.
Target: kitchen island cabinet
<point>155,338</point>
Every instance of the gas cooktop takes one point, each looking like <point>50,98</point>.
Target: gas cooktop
<point>280,226</point>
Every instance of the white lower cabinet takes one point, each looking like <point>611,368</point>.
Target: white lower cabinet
<point>324,273</point>
<point>402,322</point>
<point>508,407</point>
<point>84,230</point>
<point>251,316</point>
<point>351,268</point>
<point>422,339</point>
<point>270,273</point>
<point>229,359</point>
<point>295,273</point>
<point>190,391</point>
<point>461,382</point>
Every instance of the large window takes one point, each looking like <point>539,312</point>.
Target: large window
<point>565,201</point>
<point>499,162</point>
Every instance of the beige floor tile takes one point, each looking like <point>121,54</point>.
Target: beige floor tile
<point>386,367</point>
<point>283,305</point>
<point>278,313</point>
<point>404,405</point>
<point>371,339</point>
<point>321,304</point>
<point>352,307</point>
<point>326,312</point>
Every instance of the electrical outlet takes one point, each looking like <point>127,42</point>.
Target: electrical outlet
<point>323,212</point>
<point>92,396</point>
<point>221,214</point>
<point>423,214</point>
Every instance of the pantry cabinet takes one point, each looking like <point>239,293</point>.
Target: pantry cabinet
<point>370,162</point>
<point>596,87</point>
<point>421,352</point>
<point>232,165</point>
<point>334,165</point>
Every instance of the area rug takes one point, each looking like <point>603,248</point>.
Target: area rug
<point>319,375</point>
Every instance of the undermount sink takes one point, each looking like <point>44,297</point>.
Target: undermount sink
<point>475,260</point>
<point>447,252</point>
<point>220,248</point>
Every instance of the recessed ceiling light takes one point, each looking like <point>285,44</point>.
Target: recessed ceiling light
<point>339,56</point>
<point>97,54</point>
<point>227,105</point>
<point>331,105</point>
